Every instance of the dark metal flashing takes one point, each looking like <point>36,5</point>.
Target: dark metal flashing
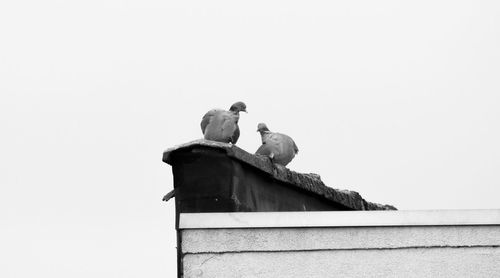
<point>310,185</point>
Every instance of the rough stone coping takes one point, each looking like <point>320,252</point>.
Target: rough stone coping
<point>308,182</point>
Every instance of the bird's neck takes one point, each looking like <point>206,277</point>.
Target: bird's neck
<point>264,132</point>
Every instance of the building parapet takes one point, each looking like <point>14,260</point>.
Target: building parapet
<point>218,177</point>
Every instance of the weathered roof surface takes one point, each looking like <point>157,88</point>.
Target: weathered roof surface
<point>309,182</point>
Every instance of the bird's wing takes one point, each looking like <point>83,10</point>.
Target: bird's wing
<point>207,118</point>
<point>270,144</point>
<point>287,148</point>
<point>295,148</point>
<point>275,139</point>
<point>230,127</point>
<point>236,135</point>
<point>263,150</point>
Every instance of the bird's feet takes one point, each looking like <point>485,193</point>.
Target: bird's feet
<point>273,165</point>
<point>270,159</point>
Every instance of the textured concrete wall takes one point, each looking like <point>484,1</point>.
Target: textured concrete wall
<point>417,262</point>
<point>391,251</point>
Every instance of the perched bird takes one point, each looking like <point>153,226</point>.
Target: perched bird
<point>280,148</point>
<point>221,125</point>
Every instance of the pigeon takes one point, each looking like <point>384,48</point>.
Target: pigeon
<point>280,148</point>
<point>222,126</point>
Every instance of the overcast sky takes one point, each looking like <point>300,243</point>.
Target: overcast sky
<point>396,100</point>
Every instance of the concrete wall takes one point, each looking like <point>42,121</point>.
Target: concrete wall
<point>342,244</point>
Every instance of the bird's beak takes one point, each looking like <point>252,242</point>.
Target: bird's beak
<point>245,111</point>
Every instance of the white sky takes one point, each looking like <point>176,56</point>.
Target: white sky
<point>396,100</point>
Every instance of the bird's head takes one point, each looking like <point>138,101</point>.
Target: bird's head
<point>262,127</point>
<point>238,107</point>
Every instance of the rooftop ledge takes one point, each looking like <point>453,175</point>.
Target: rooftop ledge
<point>400,218</point>
<point>218,177</point>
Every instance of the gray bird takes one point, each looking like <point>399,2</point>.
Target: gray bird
<point>221,125</point>
<point>280,148</point>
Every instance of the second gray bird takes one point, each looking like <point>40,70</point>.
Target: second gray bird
<point>280,148</point>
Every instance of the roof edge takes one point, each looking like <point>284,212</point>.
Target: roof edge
<point>309,182</point>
